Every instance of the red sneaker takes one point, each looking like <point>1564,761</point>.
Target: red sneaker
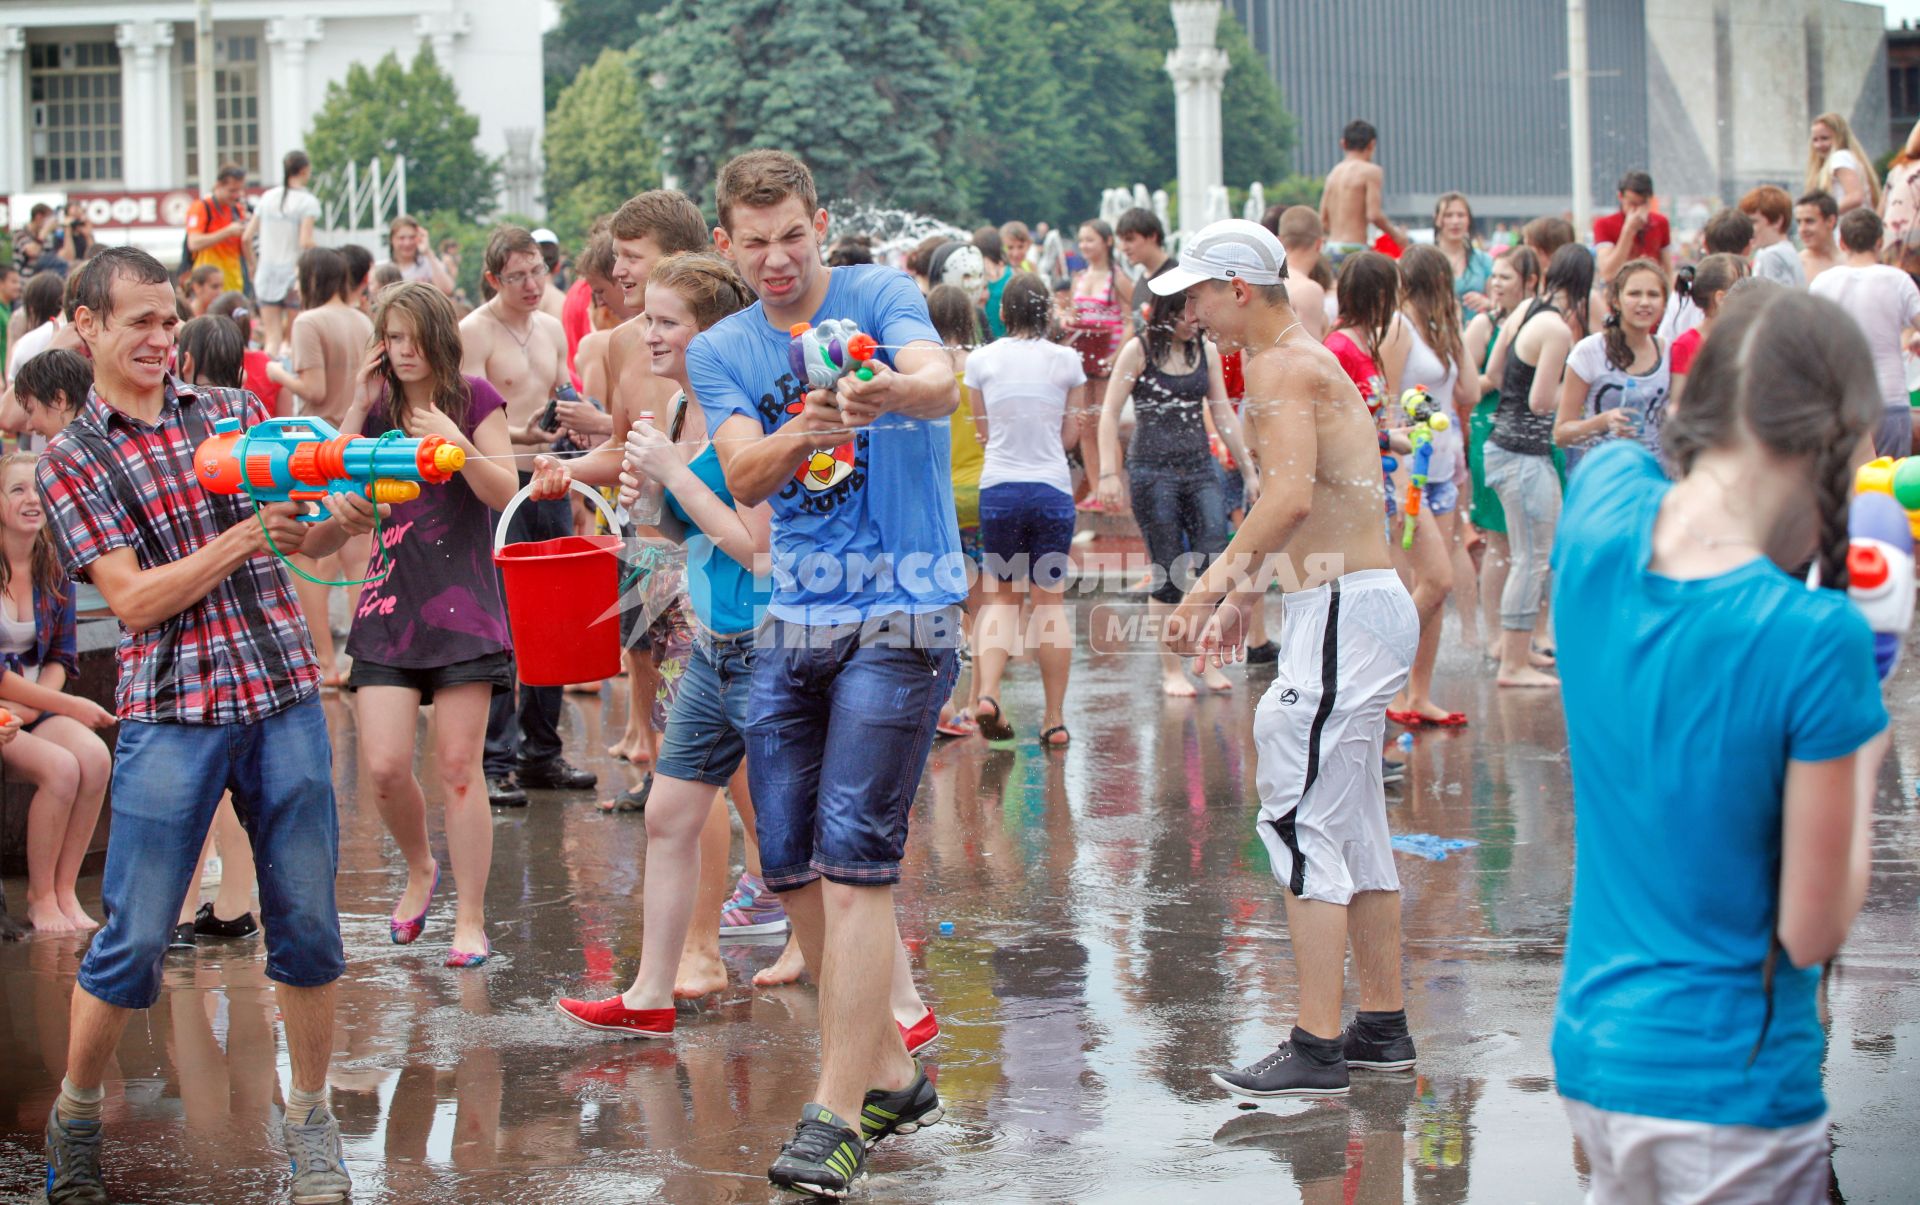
<point>612,1016</point>
<point>923,1034</point>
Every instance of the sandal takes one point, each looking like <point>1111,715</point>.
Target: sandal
<point>632,800</point>
<point>961,724</point>
<point>1047,741</point>
<point>996,729</point>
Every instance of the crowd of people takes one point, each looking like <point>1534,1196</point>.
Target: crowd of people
<point>1373,426</point>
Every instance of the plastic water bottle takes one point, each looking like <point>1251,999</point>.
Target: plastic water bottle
<point>648,502</point>
<point>1636,408</point>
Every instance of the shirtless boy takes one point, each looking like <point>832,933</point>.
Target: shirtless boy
<point>1346,645</point>
<point>1350,202</point>
<point>1301,234</point>
<point>1816,215</point>
<point>522,353</point>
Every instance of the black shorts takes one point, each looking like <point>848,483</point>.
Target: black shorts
<point>495,669</point>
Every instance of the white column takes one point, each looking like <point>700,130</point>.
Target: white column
<point>287,41</point>
<point>439,30</point>
<point>146,91</point>
<point>1198,67</point>
<point>13,99</point>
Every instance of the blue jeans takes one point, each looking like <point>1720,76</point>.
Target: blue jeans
<point>837,734</point>
<point>525,730</point>
<point>167,780</point>
<point>705,739</point>
<point>1179,512</point>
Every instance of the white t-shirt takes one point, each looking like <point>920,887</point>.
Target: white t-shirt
<point>1780,263</point>
<point>31,344</point>
<point>1023,386</point>
<point>1609,388</point>
<point>1425,367</point>
<point>1841,158</point>
<point>280,227</point>
<point>1883,302</point>
<point>1682,315</point>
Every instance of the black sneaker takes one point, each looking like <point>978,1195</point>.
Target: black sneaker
<point>1285,1072</point>
<point>73,1162</point>
<point>182,937</point>
<point>824,1158</point>
<point>556,775</point>
<point>206,924</point>
<point>502,792</point>
<point>1264,654</point>
<point>1365,1054</point>
<point>913,1107</point>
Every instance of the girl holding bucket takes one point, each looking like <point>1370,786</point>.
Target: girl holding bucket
<point>432,628</point>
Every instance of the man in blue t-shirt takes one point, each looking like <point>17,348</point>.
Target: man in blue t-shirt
<point>859,650</point>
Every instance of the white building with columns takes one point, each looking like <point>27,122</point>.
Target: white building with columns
<point>97,96</point>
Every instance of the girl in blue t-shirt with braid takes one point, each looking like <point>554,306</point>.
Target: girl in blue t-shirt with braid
<point>1726,729</point>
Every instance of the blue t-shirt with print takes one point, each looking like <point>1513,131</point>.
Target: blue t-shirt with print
<point>868,528</point>
<point>1685,700</point>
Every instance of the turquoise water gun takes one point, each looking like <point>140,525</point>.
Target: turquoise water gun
<point>1428,418</point>
<point>307,459</point>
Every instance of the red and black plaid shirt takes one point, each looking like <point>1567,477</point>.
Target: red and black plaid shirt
<point>111,481</point>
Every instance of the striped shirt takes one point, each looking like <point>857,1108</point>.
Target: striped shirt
<point>111,481</point>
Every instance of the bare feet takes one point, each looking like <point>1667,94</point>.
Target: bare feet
<point>791,965</point>
<point>71,909</point>
<point>1175,686</point>
<point>1526,677</point>
<point>624,747</point>
<point>1216,681</point>
<point>1541,659</point>
<point>45,915</point>
<point>700,974</point>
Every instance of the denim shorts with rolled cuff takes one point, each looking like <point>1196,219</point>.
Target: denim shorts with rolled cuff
<point>494,669</point>
<point>167,780</point>
<point>838,728</point>
<point>1440,497</point>
<point>705,734</point>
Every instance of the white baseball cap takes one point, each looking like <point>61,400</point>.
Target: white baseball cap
<point>1233,249</point>
<point>543,235</point>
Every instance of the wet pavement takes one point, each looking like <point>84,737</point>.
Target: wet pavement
<point>1115,934</point>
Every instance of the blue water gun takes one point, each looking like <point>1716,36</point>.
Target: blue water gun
<point>821,355</point>
<point>1427,418</point>
<point>307,459</point>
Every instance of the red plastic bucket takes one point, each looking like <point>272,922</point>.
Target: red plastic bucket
<point>562,601</point>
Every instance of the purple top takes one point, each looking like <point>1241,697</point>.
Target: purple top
<point>441,604</point>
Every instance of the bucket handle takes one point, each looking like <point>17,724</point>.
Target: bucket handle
<point>592,495</point>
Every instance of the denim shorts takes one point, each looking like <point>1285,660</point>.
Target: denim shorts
<point>167,780</point>
<point>1440,497</point>
<point>838,730</point>
<point>1027,528</point>
<point>495,669</point>
<point>705,739</point>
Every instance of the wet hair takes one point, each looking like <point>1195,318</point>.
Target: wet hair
<point>58,378</point>
<point>1822,201</point>
<point>1296,226</point>
<point>1426,297</point>
<point>436,336</point>
<point>41,296</point>
<point>954,316</point>
<point>359,262</point>
<point>712,289</point>
<point>386,274</point>
<point>1142,222</point>
<point>991,245</point>
<point>93,286</point>
<point>850,250</point>
<point>920,259</point>
<point>1715,274</point>
<point>219,354</point>
<point>667,216</point>
<point>1614,331</point>
<point>231,171</point>
<point>1157,339</point>
<point>204,273</point>
<point>233,307</point>
<point>1860,230</point>
<point>291,165</point>
<point>1547,235</point>
<point>1105,234</point>
<point>323,276</point>
<point>1026,306</point>
<point>1570,271</point>
<point>762,179</point>
<point>1793,372</point>
<point>1729,232</point>
<point>42,561</point>
<point>596,259</point>
<point>1358,136</point>
<point>1637,181</point>
<point>1369,289</point>
<point>505,243</point>
<point>1771,203</point>
<point>1525,265</point>
<point>1440,206</point>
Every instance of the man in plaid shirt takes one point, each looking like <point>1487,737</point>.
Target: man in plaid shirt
<point>218,691</point>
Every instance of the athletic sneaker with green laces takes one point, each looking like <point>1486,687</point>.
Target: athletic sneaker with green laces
<point>73,1162</point>
<point>319,1162</point>
<point>913,1107</point>
<point>825,1157</point>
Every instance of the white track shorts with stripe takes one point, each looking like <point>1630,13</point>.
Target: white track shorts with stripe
<point>1345,649</point>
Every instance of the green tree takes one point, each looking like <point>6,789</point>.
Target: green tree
<point>598,151</point>
<point>870,92</point>
<point>586,28</point>
<point>413,111</point>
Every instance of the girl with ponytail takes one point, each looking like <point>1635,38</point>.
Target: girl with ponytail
<point>283,222</point>
<point>1616,380</point>
<point>1706,286</point>
<point>1712,694</point>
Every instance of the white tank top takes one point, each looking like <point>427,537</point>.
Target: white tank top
<point>1425,367</point>
<point>16,635</point>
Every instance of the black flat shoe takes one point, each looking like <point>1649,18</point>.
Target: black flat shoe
<point>206,924</point>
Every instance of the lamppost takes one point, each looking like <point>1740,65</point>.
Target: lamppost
<point>1198,67</point>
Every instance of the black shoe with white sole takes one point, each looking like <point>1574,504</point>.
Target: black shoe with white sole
<point>914,1107</point>
<point>1369,1053</point>
<point>825,1157</point>
<point>1288,1071</point>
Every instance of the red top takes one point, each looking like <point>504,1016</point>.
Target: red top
<point>263,386</point>
<point>1359,365</point>
<point>1680,355</point>
<point>576,318</point>
<point>1649,243</point>
<point>1233,377</point>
